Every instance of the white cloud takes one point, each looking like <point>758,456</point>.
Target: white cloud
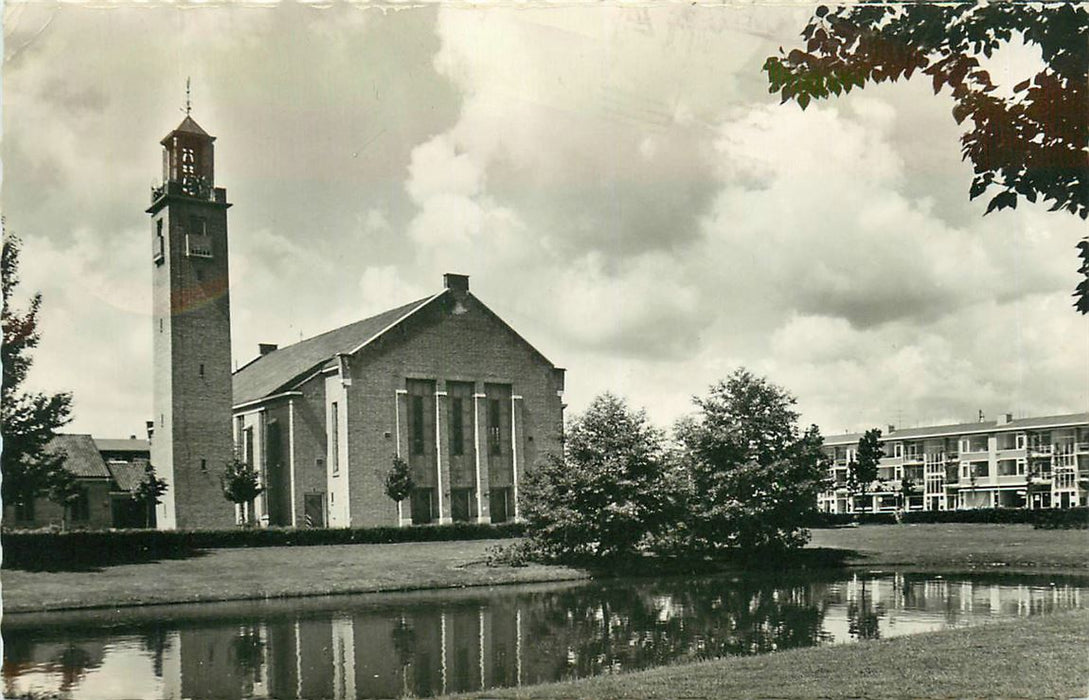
<point>616,180</point>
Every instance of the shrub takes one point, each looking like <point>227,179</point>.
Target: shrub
<point>754,475</point>
<point>40,549</point>
<point>607,494</point>
<point>1052,518</point>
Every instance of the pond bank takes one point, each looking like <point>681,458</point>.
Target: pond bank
<point>281,572</point>
<point>269,573</point>
<point>1036,657</point>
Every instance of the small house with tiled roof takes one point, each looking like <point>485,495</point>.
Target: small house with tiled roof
<point>441,383</point>
<point>107,471</point>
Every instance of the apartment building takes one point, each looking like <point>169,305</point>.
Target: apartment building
<point>1024,463</point>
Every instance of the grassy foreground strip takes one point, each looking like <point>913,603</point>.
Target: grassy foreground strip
<point>278,572</point>
<point>1043,657</point>
<point>269,572</point>
<point>961,546</point>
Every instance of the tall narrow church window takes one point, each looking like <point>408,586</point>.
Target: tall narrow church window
<point>247,446</point>
<point>160,243</point>
<point>334,438</point>
<point>417,419</point>
<point>494,440</point>
<point>457,427</point>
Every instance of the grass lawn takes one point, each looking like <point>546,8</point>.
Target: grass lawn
<point>960,546</point>
<point>269,572</point>
<point>1042,657</point>
<point>274,572</point>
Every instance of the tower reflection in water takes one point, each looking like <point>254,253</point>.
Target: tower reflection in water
<point>431,644</point>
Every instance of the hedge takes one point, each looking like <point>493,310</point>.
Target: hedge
<point>44,549</point>
<point>1050,518</point>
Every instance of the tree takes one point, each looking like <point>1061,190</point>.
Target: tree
<point>149,493</point>
<point>241,485</point>
<point>607,493</point>
<point>399,484</point>
<point>1033,143</point>
<point>30,420</point>
<point>867,458</point>
<point>63,489</point>
<point>754,474</point>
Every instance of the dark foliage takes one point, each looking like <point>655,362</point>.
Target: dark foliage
<point>89,548</point>
<point>1033,144</point>
<point>1048,518</point>
<point>28,420</point>
<point>754,474</point>
<point>149,492</point>
<point>607,494</point>
<point>399,480</point>
<point>863,470</point>
<point>241,485</point>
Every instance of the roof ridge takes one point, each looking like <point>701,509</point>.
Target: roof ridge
<point>341,328</point>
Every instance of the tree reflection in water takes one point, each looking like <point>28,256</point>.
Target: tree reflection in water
<point>469,641</point>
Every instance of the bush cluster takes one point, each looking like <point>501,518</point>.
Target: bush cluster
<point>46,549</point>
<point>1051,518</point>
<point>737,476</point>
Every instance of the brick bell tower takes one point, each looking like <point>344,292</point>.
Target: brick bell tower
<point>191,441</point>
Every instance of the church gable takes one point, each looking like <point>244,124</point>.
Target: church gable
<point>286,368</point>
<point>456,333</point>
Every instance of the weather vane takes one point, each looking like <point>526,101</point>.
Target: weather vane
<point>188,106</point>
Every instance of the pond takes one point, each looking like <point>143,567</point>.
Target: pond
<point>436,642</point>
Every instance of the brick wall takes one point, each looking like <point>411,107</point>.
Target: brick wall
<point>192,355</point>
<point>454,340</point>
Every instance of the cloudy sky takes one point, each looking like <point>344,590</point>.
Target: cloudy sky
<point>617,182</point>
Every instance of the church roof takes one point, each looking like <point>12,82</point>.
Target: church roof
<point>279,369</point>
<point>127,475</point>
<point>188,126</point>
<point>122,445</point>
<point>81,456</point>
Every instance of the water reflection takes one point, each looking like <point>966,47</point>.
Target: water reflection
<point>428,644</point>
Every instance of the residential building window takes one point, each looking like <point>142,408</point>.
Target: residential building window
<point>899,450</point>
<point>24,512</point>
<point>80,507</point>
<point>334,438</point>
<point>1020,441</point>
<point>1007,467</point>
<point>495,444</point>
<point>457,427</point>
<point>417,420</point>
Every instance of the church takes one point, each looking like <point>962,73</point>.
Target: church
<point>442,383</point>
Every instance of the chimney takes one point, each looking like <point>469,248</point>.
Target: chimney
<point>266,348</point>
<point>150,425</point>
<point>892,428</point>
<point>1005,418</point>
<point>132,437</point>
<point>455,282</point>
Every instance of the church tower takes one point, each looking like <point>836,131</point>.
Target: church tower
<point>191,441</point>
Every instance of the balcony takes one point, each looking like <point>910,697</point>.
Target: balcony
<point>197,190</point>
<point>198,246</point>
